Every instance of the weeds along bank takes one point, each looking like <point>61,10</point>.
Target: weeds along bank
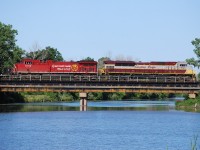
<point>189,103</point>
<point>53,97</point>
<point>28,97</point>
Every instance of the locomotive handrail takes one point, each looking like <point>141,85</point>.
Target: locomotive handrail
<point>95,78</point>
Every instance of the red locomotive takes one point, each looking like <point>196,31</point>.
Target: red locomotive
<point>30,66</point>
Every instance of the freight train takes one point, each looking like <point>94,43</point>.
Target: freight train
<point>30,66</point>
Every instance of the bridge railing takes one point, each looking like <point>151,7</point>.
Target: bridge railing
<point>96,78</point>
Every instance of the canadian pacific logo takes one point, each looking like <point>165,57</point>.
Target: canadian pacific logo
<point>74,67</point>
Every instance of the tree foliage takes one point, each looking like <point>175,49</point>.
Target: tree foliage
<point>8,97</point>
<point>116,96</point>
<point>52,54</point>
<point>88,59</point>
<point>49,53</point>
<point>95,96</point>
<point>18,54</point>
<point>101,60</point>
<point>193,61</point>
<point>10,53</point>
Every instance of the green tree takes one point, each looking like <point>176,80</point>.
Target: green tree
<point>105,96</point>
<point>143,95</point>
<point>7,97</point>
<point>18,54</point>
<point>153,96</point>
<point>88,59</point>
<point>49,53</point>
<point>101,61</point>
<point>35,55</point>
<point>95,96</point>
<point>10,53</point>
<point>162,95</point>
<point>116,96</point>
<point>193,61</point>
<point>130,96</point>
<point>52,54</point>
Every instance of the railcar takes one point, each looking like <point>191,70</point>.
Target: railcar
<point>30,66</point>
<point>147,68</point>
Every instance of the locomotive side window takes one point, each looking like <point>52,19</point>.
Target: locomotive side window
<point>124,64</point>
<point>27,63</point>
<point>109,67</point>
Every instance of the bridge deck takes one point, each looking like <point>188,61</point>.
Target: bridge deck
<point>60,83</point>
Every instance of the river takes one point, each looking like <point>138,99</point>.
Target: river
<point>107,125</point>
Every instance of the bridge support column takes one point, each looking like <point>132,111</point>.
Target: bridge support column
<point>192,95</point>
<point>83,101</point>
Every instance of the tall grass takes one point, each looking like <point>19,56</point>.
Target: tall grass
<point>194,143</point>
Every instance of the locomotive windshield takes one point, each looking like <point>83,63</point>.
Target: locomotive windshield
<point>183,65</point>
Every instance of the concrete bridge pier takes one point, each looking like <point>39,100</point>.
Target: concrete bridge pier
<point>192,95</point>
<point>83,101</point>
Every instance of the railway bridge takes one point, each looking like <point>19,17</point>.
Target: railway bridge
<point>95,83</point>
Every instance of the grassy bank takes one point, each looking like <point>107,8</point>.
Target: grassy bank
<point>189,104</point>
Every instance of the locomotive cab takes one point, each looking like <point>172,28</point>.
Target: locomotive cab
<point>182,65</point>
<point>189,71</point>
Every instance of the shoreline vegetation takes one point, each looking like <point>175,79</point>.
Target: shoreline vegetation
<point>192,105</point>
<point>28,97</point>
<point>189,104</point>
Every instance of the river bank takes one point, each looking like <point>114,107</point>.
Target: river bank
<point>189,104</point>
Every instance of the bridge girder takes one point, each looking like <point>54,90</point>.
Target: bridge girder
<point>87,89</point>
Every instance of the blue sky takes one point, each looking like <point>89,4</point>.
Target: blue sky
<point>145,30</point>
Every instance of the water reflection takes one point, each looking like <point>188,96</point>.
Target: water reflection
<point>188,109</point>
<point>92,106</point>
<point>35,108</point>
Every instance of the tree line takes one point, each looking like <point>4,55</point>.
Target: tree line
<point>11,53</point>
